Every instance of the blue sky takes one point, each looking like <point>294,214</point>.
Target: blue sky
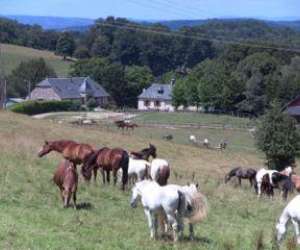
<point>154,9</point>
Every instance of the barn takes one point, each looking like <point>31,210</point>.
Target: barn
<point>70,88</point>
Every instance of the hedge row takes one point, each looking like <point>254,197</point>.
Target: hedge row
<point>38,107</point>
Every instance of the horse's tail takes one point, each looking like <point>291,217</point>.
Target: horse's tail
<point>124,165</point>
<point>89,164</point>
<point>197,209</point>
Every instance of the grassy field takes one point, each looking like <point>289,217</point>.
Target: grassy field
<point>12,55</point>
<point>32,216</point>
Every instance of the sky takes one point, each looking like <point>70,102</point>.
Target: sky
<point>155,9</point>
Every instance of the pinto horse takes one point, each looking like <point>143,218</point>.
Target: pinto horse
<point>241,173</point>
<point>145,153</point>
<point>66,178</point>
<point>76,153</point>
<point>107,160</point>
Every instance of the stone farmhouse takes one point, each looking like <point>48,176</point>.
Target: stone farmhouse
<point>71,88</point>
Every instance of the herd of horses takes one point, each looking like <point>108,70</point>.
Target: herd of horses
<point>171,205</point>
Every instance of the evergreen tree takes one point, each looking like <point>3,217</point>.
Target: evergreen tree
<point>65,45</point>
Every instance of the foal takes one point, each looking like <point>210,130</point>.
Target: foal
<point>66,178</point>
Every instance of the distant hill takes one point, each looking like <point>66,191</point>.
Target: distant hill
<point>56,23</point>
<point>12,55</point>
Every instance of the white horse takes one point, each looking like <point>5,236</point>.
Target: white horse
<point>157,200</point>
<point>138,170</point>
<point>160,171</point>
<point>260,174</point>
<point>291,212</point>
<point>196,206</point>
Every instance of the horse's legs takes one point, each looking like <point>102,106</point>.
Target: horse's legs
<point>74,200</point>
<point>240,181</point>
<point>172,220</point>
<point>103,175</point>
<point>67,197</point>
<point>149,216</point>
<point>258,189</point>
<point>296,227</point>
<point>108,176</point>
<point>115,176</point>
<point>191,229</point>
<point>95,169</point>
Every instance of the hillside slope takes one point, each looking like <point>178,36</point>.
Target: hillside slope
<point>33,217</point>
<point>12,55</point>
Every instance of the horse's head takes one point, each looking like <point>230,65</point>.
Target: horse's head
<point>152,150</point>
<point>281,229</point>
<point>134,196</point>
<point>47,148</point>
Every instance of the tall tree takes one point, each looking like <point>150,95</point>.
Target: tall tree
<point>30,72</point>
<point>65,45</point>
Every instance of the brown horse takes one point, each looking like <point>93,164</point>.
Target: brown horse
<point>107,160</point>
<point>145,153</point>
<point>241,173</point>
<point>66,178</point>
<point>296,181</point>
<point>76,153</point>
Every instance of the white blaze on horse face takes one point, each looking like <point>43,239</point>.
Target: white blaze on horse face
<point>281,229</point>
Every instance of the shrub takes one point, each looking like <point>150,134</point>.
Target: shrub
<point>278,138</point>
<point>92,103</point>
<point>38,107</point>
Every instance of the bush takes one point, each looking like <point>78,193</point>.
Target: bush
<point>38,107</point>
<point>278,138</point>
<point>92,103</point>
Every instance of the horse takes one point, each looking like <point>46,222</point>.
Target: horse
<point>66,178</point>
<point>196,207</point>
<point>260,173</point>
<point>107,160</point>
<point>160,171</point>
<point>279,181</point>
<point>290,212</point>
<point>241,173</point>
<point>145,153</point>
<point>76,153</point>
<point>296,181</point>
<point>160,201</point>
<point>122,125</point>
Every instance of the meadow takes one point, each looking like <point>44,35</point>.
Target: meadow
<point>12,55</point>
<point>32,216</point>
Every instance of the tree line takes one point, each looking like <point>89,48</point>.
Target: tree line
<point>126,57</point>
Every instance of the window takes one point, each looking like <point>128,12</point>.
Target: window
<point>157,104</point>
<point>147,103</point>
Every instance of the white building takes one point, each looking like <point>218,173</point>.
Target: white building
<point>156,97</point>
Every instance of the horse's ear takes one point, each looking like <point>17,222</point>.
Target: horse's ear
<point>197,185</point>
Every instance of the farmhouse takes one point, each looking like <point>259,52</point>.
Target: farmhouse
<point>156,97</point>
<point>293,108</point>
<point>72,88</point>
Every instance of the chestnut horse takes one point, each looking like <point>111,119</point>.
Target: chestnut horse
<point>107,160</point>
<point>145,153</point>
<point>66,178</point>
<point>76,153</point>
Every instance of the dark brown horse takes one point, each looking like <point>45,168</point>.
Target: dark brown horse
<point>241,173</point>
<point>66,178</point>
<point>75,152</point>
<point>145,153</point>
<point>122,125</point>
<point>107,160</point>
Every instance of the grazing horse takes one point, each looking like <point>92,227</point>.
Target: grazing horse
<point>145,153</point>
<point>66,178</point>
<point>260,173</point>
<point>241,173</point>
<point>76,153</point>
<point>160,171</point>
<point>160,201</point>
<point>107,160</point>
<point>279,181</point>
<point>290,212</point>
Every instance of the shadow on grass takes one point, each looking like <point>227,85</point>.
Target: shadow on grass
<point>202,240</point>
<point>84,206</point>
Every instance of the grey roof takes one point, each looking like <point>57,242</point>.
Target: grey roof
<point>293,111</point>
<point>72,87</point>
<point>158,91</point>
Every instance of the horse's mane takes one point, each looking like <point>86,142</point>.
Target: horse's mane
<point>232,171</point>
<point>197,208</point>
